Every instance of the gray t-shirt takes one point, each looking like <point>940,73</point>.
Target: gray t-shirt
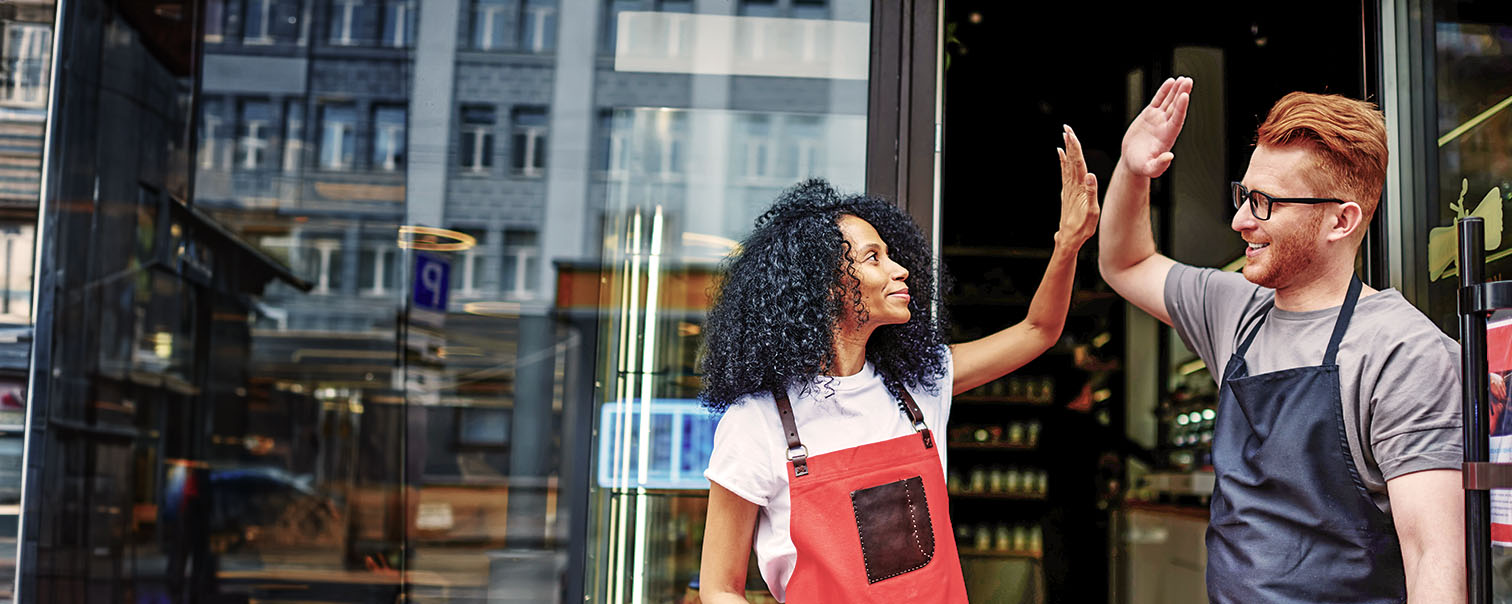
<point>1399,375</point>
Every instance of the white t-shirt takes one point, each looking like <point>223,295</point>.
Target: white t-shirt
<point>750,452</point>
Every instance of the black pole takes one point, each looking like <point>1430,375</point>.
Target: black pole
<point>1474,389</point>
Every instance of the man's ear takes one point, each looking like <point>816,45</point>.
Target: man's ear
<point>1349,220</point>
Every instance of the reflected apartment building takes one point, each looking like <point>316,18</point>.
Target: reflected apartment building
<point>346,310</point>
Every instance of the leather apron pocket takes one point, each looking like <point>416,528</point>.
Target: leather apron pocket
<point>896,533</point>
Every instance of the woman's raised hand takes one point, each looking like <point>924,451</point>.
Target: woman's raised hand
<point>1078,220</point>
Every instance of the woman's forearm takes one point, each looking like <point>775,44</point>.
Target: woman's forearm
<point>1052,300</point>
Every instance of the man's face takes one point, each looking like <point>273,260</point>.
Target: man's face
<point>883,282</point>
<point>1290,242</point>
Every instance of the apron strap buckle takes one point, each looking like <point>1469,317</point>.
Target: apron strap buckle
<point>799,456</point>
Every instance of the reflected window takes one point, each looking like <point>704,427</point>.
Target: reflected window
<point>338,125</point>
<point>465,280</point>
<point>810,9</point>
<point>519,263</point>
<point>668,147</point>
<point>388,138</point>
<point>377,266</point>
<point>254,133</point>
<point>214,134</point>
<point>483,427</point>
<point>27,51</point>
<point>528,136</point>
<point>215,21</point>
<point>399,23</point>
<point>257,18</point>
<point>613,146</point>
<point>294,133</point>
<point>351,21</point>
<point>477,138</point>
<point>611,22</point>
<point>759,8</point>
<point>490,24</point>
<point>753,147</point>
<point>268,21</point>
<point>538,27</point>
<point>802,144</point>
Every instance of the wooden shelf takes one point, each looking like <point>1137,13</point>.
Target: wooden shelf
<point>1079,301</point>
<point>1011,496</point>
<point>972,552</point>
<point>967,251</point>
<point>991,445</point>
<point>1005,400</point>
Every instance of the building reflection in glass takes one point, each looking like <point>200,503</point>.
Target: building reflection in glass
<point>359,300</point>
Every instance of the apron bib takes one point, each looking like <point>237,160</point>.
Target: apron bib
<point>871,523</point>
<point>1291,519</point>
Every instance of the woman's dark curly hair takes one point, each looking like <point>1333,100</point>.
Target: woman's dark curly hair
<point>781,295</point>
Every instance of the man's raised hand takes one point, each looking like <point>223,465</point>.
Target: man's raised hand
<point>1147,144</point>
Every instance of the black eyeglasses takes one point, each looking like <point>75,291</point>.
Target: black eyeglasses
<point>1260,203</point>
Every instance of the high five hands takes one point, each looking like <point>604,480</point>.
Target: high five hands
<point>1079,209</point>
<point>1147,144</point>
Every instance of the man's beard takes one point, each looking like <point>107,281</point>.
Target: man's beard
<point>1285,258</point>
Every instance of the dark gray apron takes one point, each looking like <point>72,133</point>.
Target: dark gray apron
<point>1291,520</point>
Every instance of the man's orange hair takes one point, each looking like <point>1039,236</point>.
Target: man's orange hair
<point>1347,136</point>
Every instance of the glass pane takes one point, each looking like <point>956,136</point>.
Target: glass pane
<point>295,361</point>
<point>684,179</point>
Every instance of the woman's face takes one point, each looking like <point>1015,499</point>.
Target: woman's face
<point>882,282</point>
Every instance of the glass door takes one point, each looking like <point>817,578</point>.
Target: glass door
<point>745,105</point>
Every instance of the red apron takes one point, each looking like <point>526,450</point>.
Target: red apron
<point>871,523</point>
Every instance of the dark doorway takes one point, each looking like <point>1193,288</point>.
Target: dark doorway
<point>1014,74</point>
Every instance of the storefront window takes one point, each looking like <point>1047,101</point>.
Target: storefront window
<point>313,340</point>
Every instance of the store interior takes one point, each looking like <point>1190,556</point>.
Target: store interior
<point>1080,477</point>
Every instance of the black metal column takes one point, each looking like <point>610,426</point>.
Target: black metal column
<point>1474,389</point>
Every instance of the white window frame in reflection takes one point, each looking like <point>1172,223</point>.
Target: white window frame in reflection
<point>215,21</point>
<point>486,14</point>
<point>342,134</point>
<point>294,143</point>
<point>530,162</point>
<point>27,52</point>
<point>210,125</point>
<point>380,265</point>
<point>537,33</point>
<point>346,25</point>
<point>389,139</point>
<point>325,249</point>
<point>758,148</point>
<point>265,12</point>
<point>519,256</point>
<point>399,21</point>
<point>255,139</point>
<point>478,136</point>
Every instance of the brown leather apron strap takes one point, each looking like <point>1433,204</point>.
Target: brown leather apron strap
<point>796,452</point>
<point>916,417</point>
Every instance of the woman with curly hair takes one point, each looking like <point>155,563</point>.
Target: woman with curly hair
<point>826,354</point>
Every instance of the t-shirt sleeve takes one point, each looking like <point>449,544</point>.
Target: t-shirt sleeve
<point>741,460</point>
<point>1205,305</point>
<point>1415,408</point>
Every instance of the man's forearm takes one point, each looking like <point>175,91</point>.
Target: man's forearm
<point>1126,235</point>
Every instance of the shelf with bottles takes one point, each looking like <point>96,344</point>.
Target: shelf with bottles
<point>1000,540</point>
<point>1187,421</point>
<point>999,482</point>
<point>1013,389</point>
<point>1014,436</point>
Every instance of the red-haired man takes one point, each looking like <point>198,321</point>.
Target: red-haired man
<point>1337,447</point>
